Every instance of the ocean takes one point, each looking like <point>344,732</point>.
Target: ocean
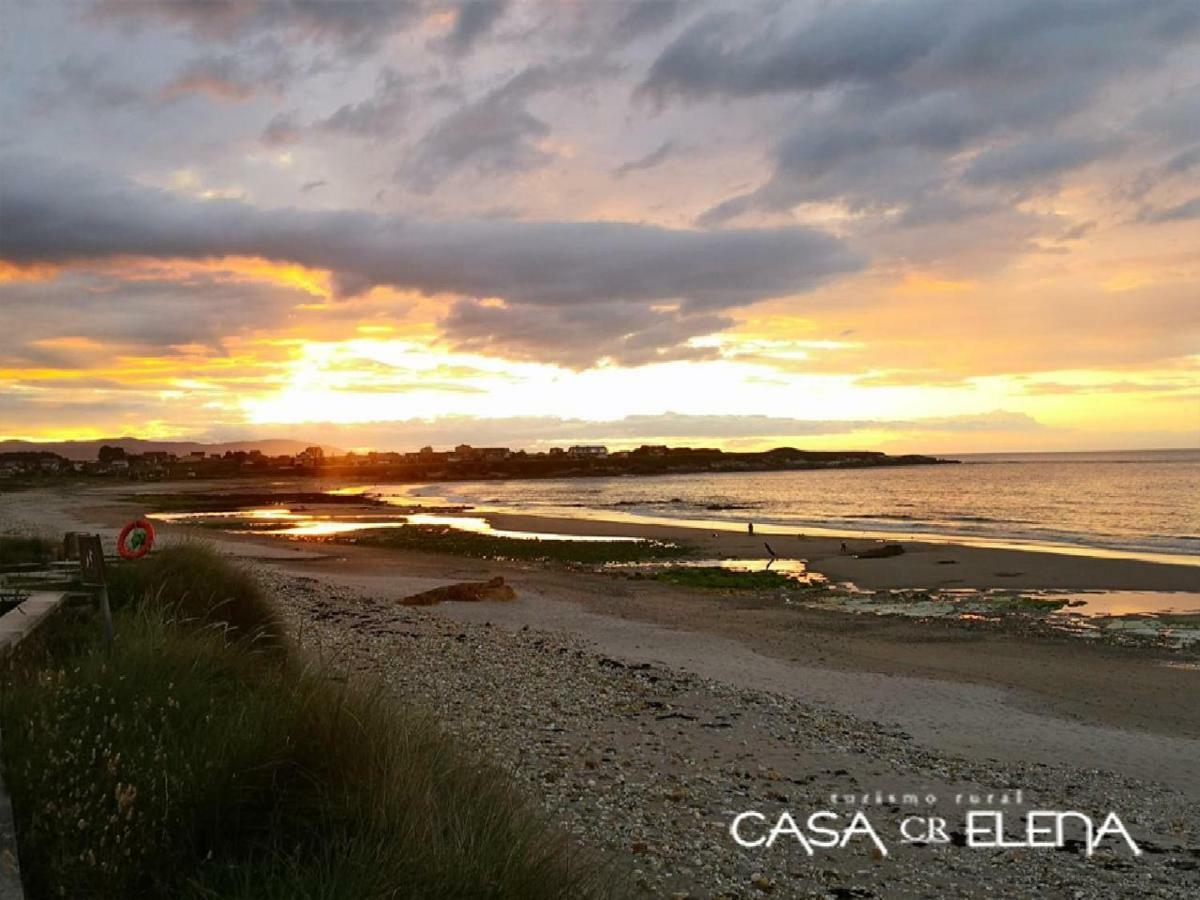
<point>1137,503</point>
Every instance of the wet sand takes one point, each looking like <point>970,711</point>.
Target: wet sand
<point>923,565</point>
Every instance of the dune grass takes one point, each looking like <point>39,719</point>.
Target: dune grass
<point>199,588</point>
<point>203,758</point>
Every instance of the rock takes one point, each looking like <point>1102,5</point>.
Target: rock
<point>881,552</point>
<point>463,592</point>
<point>762,882</point>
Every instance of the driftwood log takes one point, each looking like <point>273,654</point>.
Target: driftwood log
<point>463,592</point>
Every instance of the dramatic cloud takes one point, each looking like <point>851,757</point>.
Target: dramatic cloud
<point>612,272</point>
<point>939,42</point>
<point>950,98</point>
<point>826,209</point>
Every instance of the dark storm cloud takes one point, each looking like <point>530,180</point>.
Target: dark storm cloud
<point>654,158</point>
<point>473,19</point>
<point>607,271</point>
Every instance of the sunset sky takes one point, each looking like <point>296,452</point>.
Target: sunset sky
<point>916,225</point>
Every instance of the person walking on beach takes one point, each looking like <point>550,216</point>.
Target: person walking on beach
<point>750,528</point>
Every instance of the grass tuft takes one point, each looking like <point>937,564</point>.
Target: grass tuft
<point>201,588</point>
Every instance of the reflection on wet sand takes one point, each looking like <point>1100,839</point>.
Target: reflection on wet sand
<point>298,523</point>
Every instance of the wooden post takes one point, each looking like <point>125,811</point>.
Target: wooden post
<point>91,564</point>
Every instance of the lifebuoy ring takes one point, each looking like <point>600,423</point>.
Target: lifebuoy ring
<point>136,539</point>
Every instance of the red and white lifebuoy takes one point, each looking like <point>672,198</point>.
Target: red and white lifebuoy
<point>136,539</point>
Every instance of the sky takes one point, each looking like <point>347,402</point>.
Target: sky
<point>911,226</point>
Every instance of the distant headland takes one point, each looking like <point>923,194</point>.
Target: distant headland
<point>157,460</point>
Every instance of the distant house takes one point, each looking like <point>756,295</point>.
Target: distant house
<point>557,451</point>
<point>312,456</point>
<point>589,450</point>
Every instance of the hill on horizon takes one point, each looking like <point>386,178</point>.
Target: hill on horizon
<point>85,450</point>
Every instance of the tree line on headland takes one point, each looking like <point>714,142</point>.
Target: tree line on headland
<point>464,462</point>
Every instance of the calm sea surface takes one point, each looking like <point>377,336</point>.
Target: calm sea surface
<point>1134,502</point>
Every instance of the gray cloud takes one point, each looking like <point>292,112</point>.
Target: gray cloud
<point>958,104</point>
<point>355,27</point>
<point>625,333</point>
<point>652,159</point>
<point>379,115</point>
<point>223,77</point>
<point>1032,160</point>
<point>496,134</point>
<point>937,41</point>
<point>1188,209</point>
<point>284,128</point>
<point>147,315</point>
<point>88,83</point>
<point>56,215</point>
<point>645,17</point>
<point>473,19</point>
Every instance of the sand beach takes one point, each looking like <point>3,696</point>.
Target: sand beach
<point>645,715</point>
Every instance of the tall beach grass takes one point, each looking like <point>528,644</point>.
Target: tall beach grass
<point>205,757</point>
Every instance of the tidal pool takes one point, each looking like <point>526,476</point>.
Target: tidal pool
<point>301,523</point>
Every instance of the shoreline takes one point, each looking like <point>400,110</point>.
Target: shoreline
<point>921,565</point>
